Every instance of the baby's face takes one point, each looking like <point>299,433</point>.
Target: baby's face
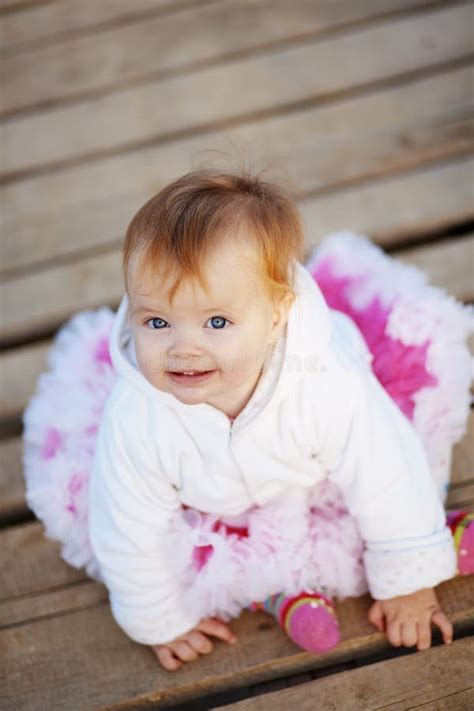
<point>220,337</point>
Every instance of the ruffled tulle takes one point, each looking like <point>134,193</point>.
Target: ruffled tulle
<point>417,335</point>
<point>60,425</point>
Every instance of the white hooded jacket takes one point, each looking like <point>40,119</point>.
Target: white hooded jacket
<point>317,411</point>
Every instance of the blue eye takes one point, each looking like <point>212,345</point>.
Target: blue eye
<point>218,322</point>
<point>158,323</point>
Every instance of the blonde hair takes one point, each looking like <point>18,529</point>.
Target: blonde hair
<point>175,229</point>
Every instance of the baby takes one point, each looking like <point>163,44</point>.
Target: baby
<point>238,385</point>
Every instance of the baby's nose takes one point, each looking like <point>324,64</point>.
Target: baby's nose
<point>185,347</point>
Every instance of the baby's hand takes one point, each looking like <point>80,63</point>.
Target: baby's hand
<point>187,647</point>
<point>407,619</point>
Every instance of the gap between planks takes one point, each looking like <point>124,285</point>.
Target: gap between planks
<point>235,29</point>
<point>250,89</point>
<point>433,680</point>
<point>101,651</point>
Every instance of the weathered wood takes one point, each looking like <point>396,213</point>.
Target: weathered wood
<point>52,603</point>
<point>81,654</point>
<point>90,281</point>
<point>20,369</point>
<point>94,203</point>
<point>448,264</point>
<point>396,208</point>
<point>463,456</point>
<point>120,55</point>
<point>247,88</point>
<point>31,563</point>
<point>438,678</point>
<point>15,5</point>
<point>12,486</point>
<point>59,21</point>
<point>461,496</point>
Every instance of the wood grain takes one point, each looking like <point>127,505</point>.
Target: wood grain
<point>85,664</point>
<point>51,22</point>
<point>12,485</point>
<point>438,678</point>
<point>254,87</point>
<point>397,208</point>
<point>162,45</point>
<point>320,148</point>
<point>30,563</point>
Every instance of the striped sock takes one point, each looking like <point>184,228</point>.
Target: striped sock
<point>309,619</point>
<point>461,524</point>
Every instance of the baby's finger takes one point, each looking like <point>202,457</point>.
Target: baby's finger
<point>166,658</point>
<point>200,642</point>
<point>424,635</point>
<point>440,620</point>
<point>216,628</point>
<point>409,634</point>
<point>394,633</point>
<point>183,651</point>
<point>376,616</point>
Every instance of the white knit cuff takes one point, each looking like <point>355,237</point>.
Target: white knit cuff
<point>401,569</point>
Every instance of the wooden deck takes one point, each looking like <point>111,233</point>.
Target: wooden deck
<point>366,108</point>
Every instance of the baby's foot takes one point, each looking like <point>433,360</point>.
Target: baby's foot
<point>461,524</point>
<point>309,619</point>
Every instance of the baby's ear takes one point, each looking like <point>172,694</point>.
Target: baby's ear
<point>281,311</point>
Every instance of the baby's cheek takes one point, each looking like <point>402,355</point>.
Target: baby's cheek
<point>151,361</point>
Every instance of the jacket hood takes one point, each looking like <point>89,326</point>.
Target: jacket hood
<point>303,344</point>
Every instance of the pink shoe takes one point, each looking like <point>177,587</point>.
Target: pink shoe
<point>461,524</point>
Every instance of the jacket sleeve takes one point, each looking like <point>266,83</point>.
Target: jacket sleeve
<point>130,508</point>
<point>383,472</point>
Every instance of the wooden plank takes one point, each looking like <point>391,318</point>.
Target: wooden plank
<point>449,264</point>
<point>19,371</point>
<point>56,21</point>
<point>397,208</point>
<point>31,563</point>
<point>92,280</point>
<point>316,149</point>
<point>120,55</point>
<point>15,5</point>
<point>86,648</point>
<point>98,281</point>
<point>12,485</point>
<point>463,457</point>
<point>249,87</point>
<point>461,496</point>
<point>438,678</point>
<point>54,602</point>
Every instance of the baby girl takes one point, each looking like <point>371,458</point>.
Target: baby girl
<point>238,388</point>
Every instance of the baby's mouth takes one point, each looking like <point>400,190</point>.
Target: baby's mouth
<point>190,376</point>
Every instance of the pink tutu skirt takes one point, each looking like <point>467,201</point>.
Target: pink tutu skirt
<point>417,335</point>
